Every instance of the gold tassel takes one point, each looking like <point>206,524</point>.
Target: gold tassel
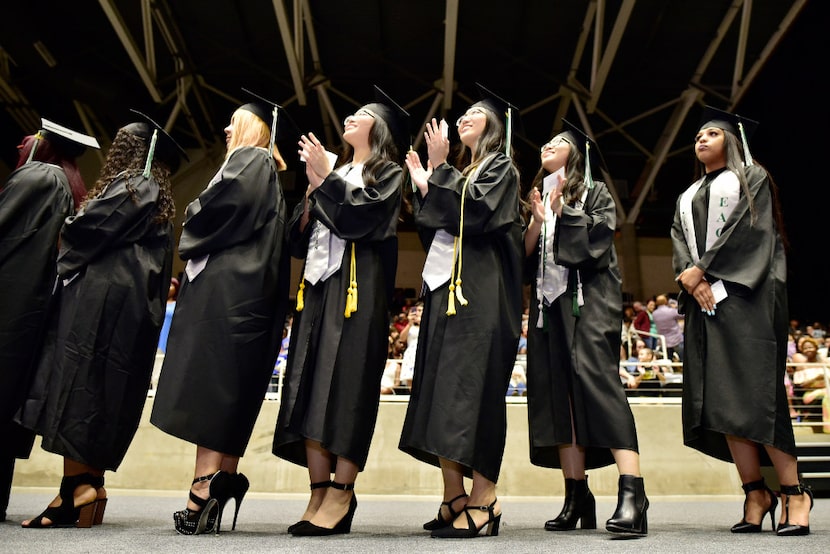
<point>300,303</point>
<point>351,293</point>
<point>451,301</point>
<point>457,260</point>
<point>458,292</point>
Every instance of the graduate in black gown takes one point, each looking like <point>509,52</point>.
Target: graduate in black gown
<point>227,326</point>
<point>578,414</point>
<point>470,224</point>
<point>730,261</point>
<point>345,229</point>
<point>93,373</point>
<point>45,188</point>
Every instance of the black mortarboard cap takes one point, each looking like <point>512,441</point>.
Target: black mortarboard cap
<point>274,116</point>
<point>589,149</point>
<point>396,118</point>
<point>70,143</point>
<point>740,126</point>
<point>504,109</point>
<point>164,147</point>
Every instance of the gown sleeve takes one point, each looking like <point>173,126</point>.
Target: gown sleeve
<point>234,208</point>
<point>106,221</point>
<point>359,213</point>
<point>585,237</point>
<point>27,202</point>
<point>744,251</point>
<point>494,189</point>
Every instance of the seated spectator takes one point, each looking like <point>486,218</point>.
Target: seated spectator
<point>810,379</point>
<point>518,381</point>
<point>650,377</point>
<point>391,378</point>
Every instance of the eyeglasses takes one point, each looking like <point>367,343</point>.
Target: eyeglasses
<point>553,143</point>
<point>469,114</point>
<point>359,113</point>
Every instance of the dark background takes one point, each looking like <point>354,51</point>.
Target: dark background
<point>524,53</point>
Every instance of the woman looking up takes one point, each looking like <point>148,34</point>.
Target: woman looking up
<point>345,229</point>
<point>468,220</point>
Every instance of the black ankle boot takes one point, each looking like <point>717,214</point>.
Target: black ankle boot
<point>630,516</point>
<point>579,505</point>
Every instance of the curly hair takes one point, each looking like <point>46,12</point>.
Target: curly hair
<point>127,156</point>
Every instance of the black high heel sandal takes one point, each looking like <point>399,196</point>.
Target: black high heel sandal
<point>312,486</point>
<point>788,529</point>
<point>239,485</point>
<point>206,518</point>
<point>492,524</point>
<point>67,514</point>
<point>344,526</point>
<point>439,522</point>
<point>579,505</point>
<point>744,526</point>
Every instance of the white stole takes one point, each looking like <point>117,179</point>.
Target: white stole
<point>325,249</point>
<point>724,193</point>
<point>552,278</point>
<point>438,265</point>
<point>195,266</point>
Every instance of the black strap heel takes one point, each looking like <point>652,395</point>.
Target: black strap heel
<point>788,529</point>
<point>492,524</point>
<point>744,526</point>
<point>312,486</point>
<point>203,520</point>
<point>239,487</point>
<point>344,526</point>
<point>67,514</point>
<point>439,522</point>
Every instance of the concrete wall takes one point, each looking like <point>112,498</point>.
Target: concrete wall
<point>158,461</point>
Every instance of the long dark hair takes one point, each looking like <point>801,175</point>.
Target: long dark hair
<point>127,155</point>
<point>382,151</point>
<point>491,140</point>
<point>574,185</point>
<point>735,163</point>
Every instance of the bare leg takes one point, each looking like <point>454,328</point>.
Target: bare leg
<point>747,461</point>
<point>208,462</point>
<point>319,470</point>
<point>572,458</point>
<point>628,461</point>
<point>84,494</point>
<point>786,467</point>
<point>336,502</point>
<point>483,493</point>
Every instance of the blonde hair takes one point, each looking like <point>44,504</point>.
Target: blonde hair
<point>250,130</point>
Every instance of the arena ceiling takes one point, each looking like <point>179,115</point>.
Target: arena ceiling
<point>634,73</point>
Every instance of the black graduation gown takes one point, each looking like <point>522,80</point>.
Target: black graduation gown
<point>227,326</point>
<point>734,363</point>
<point>331,388</point>
<point>577,357</point>
<point>33,204</point>
<point>457,409</point>
<point>92,379</point>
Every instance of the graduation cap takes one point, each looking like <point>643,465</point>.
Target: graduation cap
<point>502,108</point>
<point>274,116</point>
<point>589,149</point>
<point>161,144</point>
<point>395,117</point>
<point>66,141</point>
<point>741,127</point>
